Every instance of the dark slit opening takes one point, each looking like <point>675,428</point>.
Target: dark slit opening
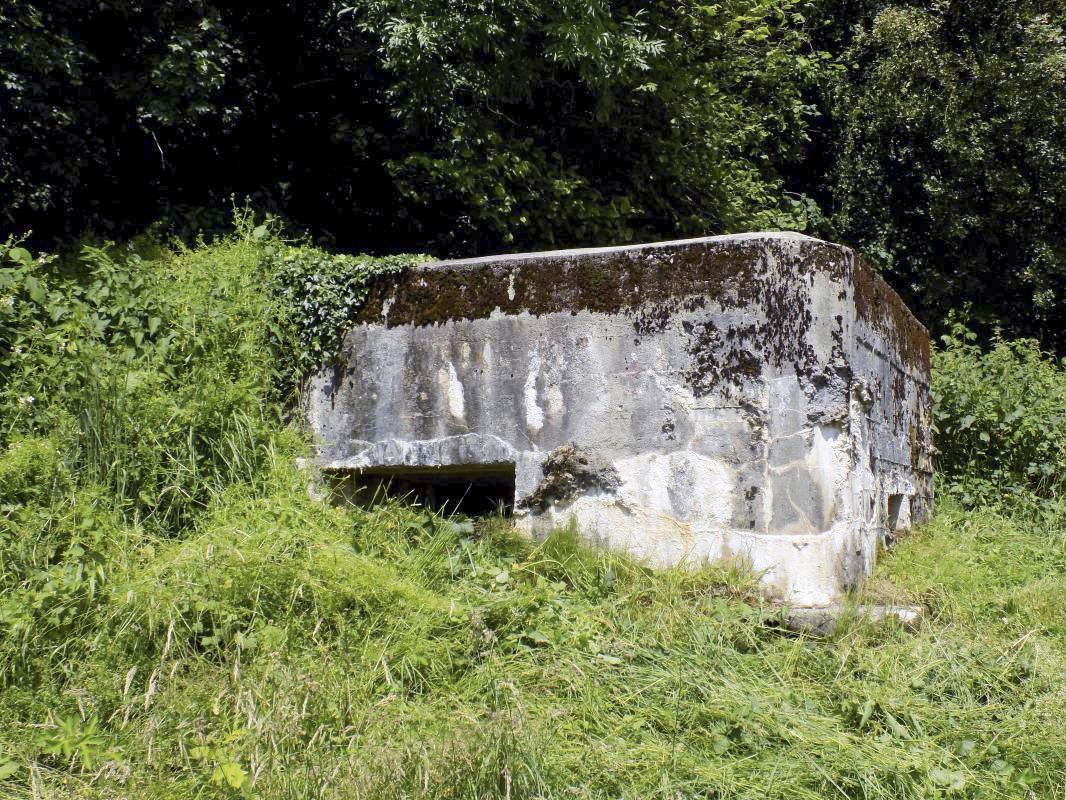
<point>471,489</point>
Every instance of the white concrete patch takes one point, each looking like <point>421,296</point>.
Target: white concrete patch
<point>826,460</point>
<point>534,413</point>
<point>682,485</point>
<point>452,388</point>
<point>799,569</point>
<point>553,400</point>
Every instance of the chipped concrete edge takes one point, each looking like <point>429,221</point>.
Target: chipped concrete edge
<point>824,620</point>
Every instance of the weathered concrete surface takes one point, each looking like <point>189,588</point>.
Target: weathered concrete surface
<point>823,621</point>
<point>762,397</point>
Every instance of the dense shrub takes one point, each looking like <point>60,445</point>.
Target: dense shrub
<point>154,370</point>
<point>161,371</point>
<point>1000,416</point>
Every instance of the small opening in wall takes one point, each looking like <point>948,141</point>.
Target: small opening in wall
<point>899,512</point>
<point>472,489</point>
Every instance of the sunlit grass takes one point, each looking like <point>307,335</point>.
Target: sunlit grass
<point>181,618</point>
<point>317,651</point>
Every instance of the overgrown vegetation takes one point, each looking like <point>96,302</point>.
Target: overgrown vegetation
<point>1000,416</point>
<point>319,294</point>
<point>179,617</point>
<point>928,133</point>
<point>164,376</point>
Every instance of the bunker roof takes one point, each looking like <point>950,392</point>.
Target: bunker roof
<point>736,270</point>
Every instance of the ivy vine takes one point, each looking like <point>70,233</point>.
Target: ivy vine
<point>319,295</point>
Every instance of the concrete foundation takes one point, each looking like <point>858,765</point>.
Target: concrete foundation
<point>761,397</point>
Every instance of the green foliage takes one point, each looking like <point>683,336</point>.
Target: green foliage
<point>1000,417</point>
<point>929,134</point>
<point>100,94</point>
<point>36,317</point>
<point>382,124</point>
<point>164,368</point>
<point>32,471</point>
<point>511,107</point>
<point>320,294</point>
<point>155,368</point>
<point>75,741</point>
<point>259,571</point>
<point>252,640</point>
<point>950,168</point>
<point>289,648</point>
<point>58,549</point>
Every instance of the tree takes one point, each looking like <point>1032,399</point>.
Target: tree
<point>950,162</point>
<point>392,124</point>
<point>536,124</point>
<point>96,97</point>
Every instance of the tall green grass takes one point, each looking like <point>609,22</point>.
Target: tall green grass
<point>286,648</point>
<point>179,617</point>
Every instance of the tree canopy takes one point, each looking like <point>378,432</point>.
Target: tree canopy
<point>950,168</point>
<point>929,133</point>
<point>457,127</point>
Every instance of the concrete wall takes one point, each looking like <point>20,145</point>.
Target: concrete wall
<point>761,397</point>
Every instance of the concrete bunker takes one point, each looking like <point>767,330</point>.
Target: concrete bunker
<point>762,397</point>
